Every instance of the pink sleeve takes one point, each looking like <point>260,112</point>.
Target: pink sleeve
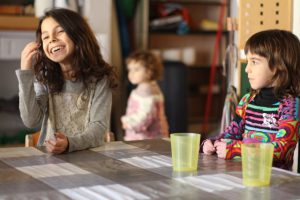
<point>142,115</point>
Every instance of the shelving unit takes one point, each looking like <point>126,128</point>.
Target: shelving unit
<point>203,41</point>
<point>11,22</point>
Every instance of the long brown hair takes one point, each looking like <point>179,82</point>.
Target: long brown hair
<point>87,55</point>
<point>282,50</point>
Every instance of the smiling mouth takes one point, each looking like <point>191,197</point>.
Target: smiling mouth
<point>56,49</point>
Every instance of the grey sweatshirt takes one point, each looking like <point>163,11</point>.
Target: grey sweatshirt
<point>83,115</point>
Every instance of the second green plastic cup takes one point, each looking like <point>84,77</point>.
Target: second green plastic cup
<point>257,163</point>
<point>185,151</point>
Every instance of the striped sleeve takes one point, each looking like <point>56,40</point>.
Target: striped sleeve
<point>234,132</point>
<point>288,132</point>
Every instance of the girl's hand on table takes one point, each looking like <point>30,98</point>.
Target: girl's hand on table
<point>58,145</point>
<point>208,148</point>
<point>220,146</point>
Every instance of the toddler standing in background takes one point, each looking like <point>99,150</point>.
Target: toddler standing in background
<point>270,112</point>
<point>145,115</point>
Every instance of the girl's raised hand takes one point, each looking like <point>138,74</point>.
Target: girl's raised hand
<point>28,54</point>
<point>208,147</point>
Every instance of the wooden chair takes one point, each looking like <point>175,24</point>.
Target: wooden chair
<point>32,139</point>
<point>109,137</point>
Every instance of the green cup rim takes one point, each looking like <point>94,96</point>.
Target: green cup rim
<point>185,134</point>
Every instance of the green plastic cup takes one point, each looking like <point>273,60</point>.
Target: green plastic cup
<point>185,151</point>
<point>257,161</point>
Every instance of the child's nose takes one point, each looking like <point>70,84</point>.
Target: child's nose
<point>247,68</point>
<point>53,38</point>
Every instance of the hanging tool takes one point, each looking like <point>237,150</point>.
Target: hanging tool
<point>229,66</point>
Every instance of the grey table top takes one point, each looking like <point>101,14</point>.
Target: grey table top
<point>129,170</point>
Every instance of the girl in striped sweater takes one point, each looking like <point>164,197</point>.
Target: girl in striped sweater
<point>270,112</point>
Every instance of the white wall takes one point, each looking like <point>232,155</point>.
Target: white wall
<point>8,79</point>
<point>11,46</point>
<point>99,16</point>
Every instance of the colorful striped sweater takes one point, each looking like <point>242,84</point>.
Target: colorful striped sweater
<point>264,118</point>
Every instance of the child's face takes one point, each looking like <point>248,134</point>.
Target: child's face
<point>259,72</point>
<point>137,73</point>
<point>57,45</point>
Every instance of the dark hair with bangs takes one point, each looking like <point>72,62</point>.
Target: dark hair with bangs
<point>87,55</point>
<point>148,60</point>
<point>282,50</point>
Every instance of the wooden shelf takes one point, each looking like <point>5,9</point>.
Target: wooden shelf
<point>8,22</point>
<point>201,38</point>
<point>206,2</point>
<point>203,67</point>
<point>192,32</point>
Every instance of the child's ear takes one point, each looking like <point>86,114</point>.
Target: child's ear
<point>149,74</point>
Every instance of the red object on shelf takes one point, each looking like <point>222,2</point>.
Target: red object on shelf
<point>172,9</point>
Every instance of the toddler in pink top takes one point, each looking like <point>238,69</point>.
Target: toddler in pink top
<point>145,115</point>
